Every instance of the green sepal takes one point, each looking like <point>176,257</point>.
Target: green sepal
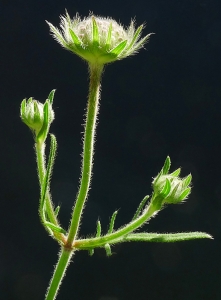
<point>185,194</point>
<point>136,36</point>
<point>51,96</point>
<point>109,35</point>
<point>140,43</point>
<point>166,237</point>
<point>57,34</point>
<point>54,228</point>
<point>42,135</point>
<point>176,173</point>
<point>166,189</point>
<point>118,49</point>
<point>166,166</point>
<point>187,180</point>
<point>75,38</point>
<point>157,202</point>
<point>23,107</point>
<point>158,176</point>
<point>95,35</point>
<point>173,199</point>
<point>107,249</point>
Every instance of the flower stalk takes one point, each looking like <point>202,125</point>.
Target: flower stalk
<point>95,72</point>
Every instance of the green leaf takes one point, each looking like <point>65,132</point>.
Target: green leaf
<point>166,237</point>
<point>51,96</point>
<point>119,48</point>
<point>91,252</point>
<point>95,34</point>
<point>57,209</point>
<point>166,166</point>
<point>54,227</point>
<point>107,249</point>
<point>74,37</point>
<point>140,207</point>
<point>111,226</point>
<point>98,232</point>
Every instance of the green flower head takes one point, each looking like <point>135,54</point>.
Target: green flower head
<point>98,40</point>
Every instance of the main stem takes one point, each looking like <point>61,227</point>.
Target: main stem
<point>86,173</point>
<point>59,272</point>
<point>88,150</point>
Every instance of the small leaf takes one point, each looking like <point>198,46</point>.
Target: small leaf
<point>107,249</point>
<point>57,209</point>
<point>166,166</point>
<point>54,227</point>
<point>166,237</point>
<point>140,207</point>
<point>74,37</point>
<point>91,252</point>
<point>113,218</point>
<point>98,232</point>
<point>119,48</point>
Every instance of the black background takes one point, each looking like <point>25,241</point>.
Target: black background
<point>164,101</point>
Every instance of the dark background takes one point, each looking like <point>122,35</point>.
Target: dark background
<point>164,101</point>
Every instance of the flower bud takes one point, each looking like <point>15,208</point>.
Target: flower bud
<point>37,116</point>
<point>170,188</point>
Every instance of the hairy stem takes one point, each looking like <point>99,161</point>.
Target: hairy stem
<point>59,272</point>
<point>116,235</point>
<point>40,154</point>
<point>88,150</point>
